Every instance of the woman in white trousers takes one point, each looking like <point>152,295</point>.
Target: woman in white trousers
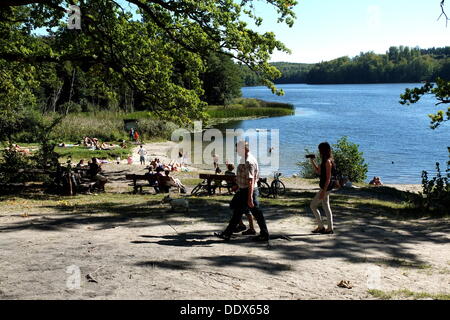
<point>326,185</point>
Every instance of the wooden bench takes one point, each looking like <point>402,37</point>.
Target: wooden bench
<point>151,181</point>
<point>216,177</point>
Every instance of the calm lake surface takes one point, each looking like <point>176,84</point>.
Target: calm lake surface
<point>396,140</point>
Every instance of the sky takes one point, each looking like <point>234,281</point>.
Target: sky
<point>328,29</point>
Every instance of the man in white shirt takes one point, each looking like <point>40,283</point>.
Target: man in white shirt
<point>142,153</point>
<point>246,198</point>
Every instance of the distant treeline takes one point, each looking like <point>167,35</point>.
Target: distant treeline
<point>398,64</point>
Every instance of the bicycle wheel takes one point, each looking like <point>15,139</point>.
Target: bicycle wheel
<point>278,188</point>
<point>264,189</point>
<point>197,190</point>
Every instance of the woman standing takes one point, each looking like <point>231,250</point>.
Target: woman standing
<point>326,185</point>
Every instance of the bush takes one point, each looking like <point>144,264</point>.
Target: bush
<point>349,160</point>
<point>10,164</point>
<point>151,128</point>
<point>435,194</point>
<point>75,126</point>
<point>306,169</point>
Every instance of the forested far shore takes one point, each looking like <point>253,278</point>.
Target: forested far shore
<point>397,65</point>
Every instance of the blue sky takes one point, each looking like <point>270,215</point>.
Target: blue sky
<point>327,29</point>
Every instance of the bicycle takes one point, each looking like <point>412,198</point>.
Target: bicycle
<point>263,187</point>
<point>276,188</point>
<point>200,189</point>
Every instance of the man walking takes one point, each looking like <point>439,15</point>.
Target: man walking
<point>246,198</point>
<point>142,153</point>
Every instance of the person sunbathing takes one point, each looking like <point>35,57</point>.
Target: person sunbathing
<point>105,146</point>
<point>17,148</point>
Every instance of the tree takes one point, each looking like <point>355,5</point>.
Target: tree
<point>160,54</point>
<point>441,91</point>
<point>221,80</point>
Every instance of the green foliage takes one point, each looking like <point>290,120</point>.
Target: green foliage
<point>243,107</point>
<point>398,64</point>
<point>442,94</point>
<point>349,160</point>
<point>436,192</point>
<point>222,80</point>
<point>153,128</point>
<point>153,58</point>
<point>78,153</point>
<point>306,168</point>
<point>10,162</point>
<point>105,126</point>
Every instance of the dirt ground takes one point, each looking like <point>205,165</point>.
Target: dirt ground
<point>129,246</point>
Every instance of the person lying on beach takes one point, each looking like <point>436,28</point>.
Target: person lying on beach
<point>105,146</point>
<point>67,145</point>
<point>17,148</point>
<point>88,142</point>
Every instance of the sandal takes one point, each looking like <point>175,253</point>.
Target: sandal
<point>328,232</point>
<point>318,230</point>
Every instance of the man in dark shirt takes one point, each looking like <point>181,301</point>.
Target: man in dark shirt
<point>94,174</point>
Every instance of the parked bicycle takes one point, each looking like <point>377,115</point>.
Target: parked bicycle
<point>276,188</point>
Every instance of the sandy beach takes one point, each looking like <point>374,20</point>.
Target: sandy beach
<point>128,246</point>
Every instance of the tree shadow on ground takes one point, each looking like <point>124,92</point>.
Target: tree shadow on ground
<point>365,233</point>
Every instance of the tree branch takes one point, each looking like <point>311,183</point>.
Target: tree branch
<point>443,13</point>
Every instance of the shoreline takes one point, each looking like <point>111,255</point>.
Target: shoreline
<point>163,149</point>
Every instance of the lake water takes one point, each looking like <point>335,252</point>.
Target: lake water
<point>396,140</point>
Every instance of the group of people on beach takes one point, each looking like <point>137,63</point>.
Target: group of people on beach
<point>92,170</point>
<point>94,144</point>
<point>134,135</point>
<point>173,165</point>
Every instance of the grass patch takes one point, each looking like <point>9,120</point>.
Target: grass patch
<point>404,293</point>
<point>191,181</point>
<point>78,153</point>
<point>243,107</point>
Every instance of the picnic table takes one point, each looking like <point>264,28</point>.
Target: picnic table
<point>216,177</point>
<point>160,183</point>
